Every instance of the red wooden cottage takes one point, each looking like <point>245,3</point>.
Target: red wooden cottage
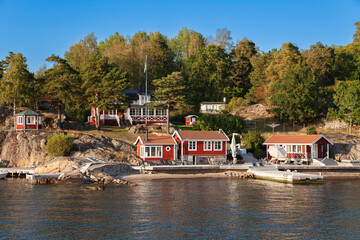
<point>297,148</point>
<point>201,147</point>
<point>155,148</point>
<point>28,120</point>
<point>190,120</point>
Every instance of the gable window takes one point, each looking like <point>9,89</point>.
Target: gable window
<point>30,120</point>
<point>20,120</point>
<point>192,145</point>
<point>150,152</point>
<point>218,145</point>
<point>207,145</point>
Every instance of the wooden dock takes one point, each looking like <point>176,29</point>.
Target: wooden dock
<point>190,168</point>
<point>18,172</point>
<point>273,174</point>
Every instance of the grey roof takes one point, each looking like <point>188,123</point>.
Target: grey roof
<point>29,113</point>
<point>191,116</point>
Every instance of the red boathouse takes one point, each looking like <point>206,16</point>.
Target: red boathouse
<point>156,148</point>
<point>297,148</point>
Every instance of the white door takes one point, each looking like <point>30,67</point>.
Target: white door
<point>315,151</point>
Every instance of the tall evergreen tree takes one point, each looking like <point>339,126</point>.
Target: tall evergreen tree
<point>17,83</point>
<point>63,84</point>
<point>241,68</point>
<point>170,90</point>
<point>103,85</point>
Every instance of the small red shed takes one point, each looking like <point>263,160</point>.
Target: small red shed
<point>156,148</point>
<point>28,120</point>
<point>190,120</point>
<point>297,147</point>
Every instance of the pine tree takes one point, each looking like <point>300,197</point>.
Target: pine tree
<point>170,90</point>
<point>17,83</point>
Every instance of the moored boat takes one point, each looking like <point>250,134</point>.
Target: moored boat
<point>3,175</point>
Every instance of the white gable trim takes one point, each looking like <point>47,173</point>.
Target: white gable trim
<point>138,138</point>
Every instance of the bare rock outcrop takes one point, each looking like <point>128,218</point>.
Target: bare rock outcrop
<point>252,112</point>
<point>84,169</point>
<point>24,149</point>
<point>28,149</point>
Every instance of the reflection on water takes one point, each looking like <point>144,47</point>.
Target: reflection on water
<point>178,209</point>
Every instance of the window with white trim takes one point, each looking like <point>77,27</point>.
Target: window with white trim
<point>207,145</point>
<point>151,112</point>
<point>132,111</point>
<point>30,120</point>
<point>150,152</point>
<point>192,146</point>
<point>218,145</point>
<point>20,119</point>
<point>112,112</point>
<point>293,149</point>
<point>138,111</point>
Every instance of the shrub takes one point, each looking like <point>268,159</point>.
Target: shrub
<point>253,140</point>
<point>229,124</point>
<point>310,130</point>
<point>59,145</point>
<point>259,153</point>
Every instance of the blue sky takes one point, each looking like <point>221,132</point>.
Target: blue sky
<point>39,28</point>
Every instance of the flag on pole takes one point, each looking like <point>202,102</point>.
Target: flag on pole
<point>145,66</point>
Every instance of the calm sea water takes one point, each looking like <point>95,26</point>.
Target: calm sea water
<point>181,209</point>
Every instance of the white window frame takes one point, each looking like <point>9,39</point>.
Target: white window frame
<point>28,118</point>
<point>192,146</point>
<point>132,111</point>
<point>215,148</point>
<point>151,149</point>
<point>22,120</point>
<point>112,112</point>
<point>290,148</point>
<point>206,145</point>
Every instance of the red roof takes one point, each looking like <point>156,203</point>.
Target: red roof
<point>297,139</point>
<point>160,140</point>
<point>202,135</point>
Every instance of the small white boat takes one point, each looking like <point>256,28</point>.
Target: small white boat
<point>3,175</point>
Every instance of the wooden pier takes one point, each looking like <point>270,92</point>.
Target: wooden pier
<point>18,172</point>
<point>273,174</point>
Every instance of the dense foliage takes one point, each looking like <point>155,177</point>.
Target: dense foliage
<point>229,124</point>
<point>253,140</point>
<point>295,84</point>
<point>59,145</point>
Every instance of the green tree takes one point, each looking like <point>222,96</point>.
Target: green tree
<point>108,81</point>
<point>206,74</point>
<point>241,68</point>
<point>81,51</point>
<point>298,96</point>
<point>253,140</point>
<point>347,101</point>
<point>321,61</point>
<point>160,58</point>
<point>170,90</point>
<point>63,83</point>
<point>258,78</point>
<point>287,58</point>
<point>185,44</point>
<point>17,83</point>
<point>357,34</point>
<point>110,41</point>
<point>229,124</point>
